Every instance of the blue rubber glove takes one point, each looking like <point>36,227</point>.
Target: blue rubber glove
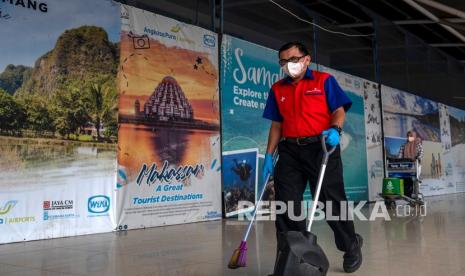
<point>333,137</point>
<point>267,166</point>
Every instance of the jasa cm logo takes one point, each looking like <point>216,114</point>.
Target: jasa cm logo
<point>8,206</point>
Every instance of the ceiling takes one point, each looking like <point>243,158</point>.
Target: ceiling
<point>349,15</point>
<point>420,44</point>
<point>439,24</point>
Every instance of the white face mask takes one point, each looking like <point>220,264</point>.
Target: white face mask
<point>411,139</point>
<point>293,69</point>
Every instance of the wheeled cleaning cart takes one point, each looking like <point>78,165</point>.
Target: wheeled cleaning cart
<point>402,172</point>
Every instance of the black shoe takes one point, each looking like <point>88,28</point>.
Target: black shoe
<point>353,258</point>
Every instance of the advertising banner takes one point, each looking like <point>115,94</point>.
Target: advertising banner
<point>248,72</point>
<point>353,140</point>
<point>169,146</point>
<point>58,126</point>
<point>374,139</point>
<point>449,156</point>
<point>457,143</point>
<point>403,112</point>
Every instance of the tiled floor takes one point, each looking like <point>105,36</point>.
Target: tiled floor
<point>429,245</point>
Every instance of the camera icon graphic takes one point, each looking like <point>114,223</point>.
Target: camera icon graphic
<point>141,42</point>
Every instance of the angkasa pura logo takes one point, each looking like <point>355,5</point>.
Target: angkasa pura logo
<point>174,34</point>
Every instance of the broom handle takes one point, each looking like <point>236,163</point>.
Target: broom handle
<point>258,202</point>
<point>256,208</point>
<point>320,180</point>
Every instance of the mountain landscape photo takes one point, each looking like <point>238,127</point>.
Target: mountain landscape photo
<point>72,87</point>
<point>404,111</point>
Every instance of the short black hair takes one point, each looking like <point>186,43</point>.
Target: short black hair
<point>297,44</point>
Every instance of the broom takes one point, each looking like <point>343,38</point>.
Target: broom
<point>239,256</point>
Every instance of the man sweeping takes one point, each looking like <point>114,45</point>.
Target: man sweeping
<point>302,107</point>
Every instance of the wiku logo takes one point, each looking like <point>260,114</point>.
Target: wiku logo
<point>99,204</point>
<point>7,207</point>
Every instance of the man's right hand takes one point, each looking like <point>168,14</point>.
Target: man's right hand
<point>267,166</point>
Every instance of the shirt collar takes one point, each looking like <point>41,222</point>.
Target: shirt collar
<point>308,75</point>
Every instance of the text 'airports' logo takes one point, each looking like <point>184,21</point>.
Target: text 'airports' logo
<point>7,207</point>
<point>209,40</point>
<point>98,204</point>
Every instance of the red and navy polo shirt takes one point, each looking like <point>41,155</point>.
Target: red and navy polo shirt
<point>304,108</point>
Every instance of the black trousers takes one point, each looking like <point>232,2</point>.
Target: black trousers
<point>299,164</point>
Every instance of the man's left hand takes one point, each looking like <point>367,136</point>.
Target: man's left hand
<point>332,138</point>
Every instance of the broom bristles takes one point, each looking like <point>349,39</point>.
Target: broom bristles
<point>233,261</point>
<point>239,257</point>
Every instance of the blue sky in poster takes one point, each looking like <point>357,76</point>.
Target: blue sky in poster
<point>27,34</point>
